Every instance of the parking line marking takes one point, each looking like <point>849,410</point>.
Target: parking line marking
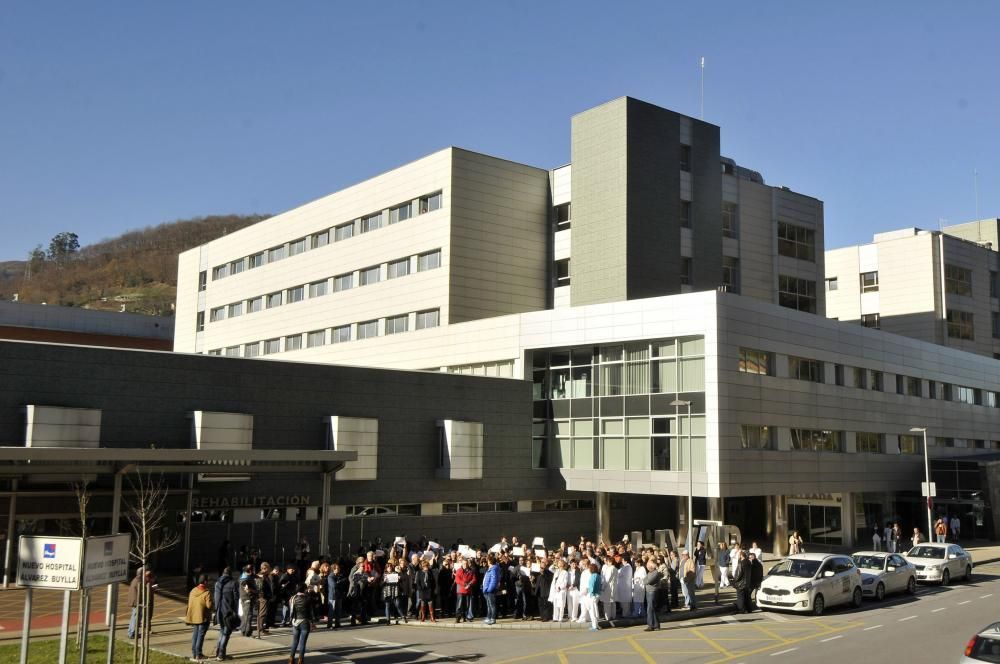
<point>943,608</point>
<point>697,632</point>
<point>906,618</point>
<point>965,602</point>
<point>832,638</point>
<point>986,595</point>
<point>783,652</point>
<point>639,649</point>
<point>773,635</point>
<point>868,629</point>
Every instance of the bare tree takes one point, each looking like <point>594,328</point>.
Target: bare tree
<point>146,514</point>
<point>83,495</point>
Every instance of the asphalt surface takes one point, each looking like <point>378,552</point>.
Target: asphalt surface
<point>932,626</point>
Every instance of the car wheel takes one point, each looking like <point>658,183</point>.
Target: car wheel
<point>968,574</point>
<point>818,605</point>
<point>911,586</point>
<point>880,592</point>
<point>945,577</point>
<point>856,599</point>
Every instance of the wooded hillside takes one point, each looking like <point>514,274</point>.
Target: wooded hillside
<point>137,269</point>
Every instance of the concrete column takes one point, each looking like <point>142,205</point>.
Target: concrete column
<point>682,521</point>
<point>715,509</point>
<point>602,502</point>
<point>847,518</point>
<point>8,554</point>
<point>324,515</point>
<point>777,519</point>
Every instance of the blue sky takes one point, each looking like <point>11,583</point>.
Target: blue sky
<point>119,115</point>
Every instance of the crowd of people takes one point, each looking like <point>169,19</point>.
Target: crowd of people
<point>585,581</point>
<point>891,537</point>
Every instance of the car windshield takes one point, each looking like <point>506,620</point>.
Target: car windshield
<point>926,552</point>
<point>805,569</point>
<point>869,562</point>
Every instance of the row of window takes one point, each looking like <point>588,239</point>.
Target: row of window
<point>762,437</point>
<point>957,281</point>
<point>342,333</point>
<point>415,509</point>
<point>761,362</point>
<point>363,277</point>
<point>347,230</point>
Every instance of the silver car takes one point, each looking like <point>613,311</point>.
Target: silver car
<point>940,563</point>
<point>883,573</point>
<point>984,646</point>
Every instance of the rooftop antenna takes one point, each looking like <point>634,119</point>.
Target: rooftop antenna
<point>975,186</point>
<point>703,88</point>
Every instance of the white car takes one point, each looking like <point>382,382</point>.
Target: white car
<point>940,562</point>
<point>883,573</point>
<point>811,582</point>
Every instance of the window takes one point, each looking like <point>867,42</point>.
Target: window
<point>995,320</point>
<point>235,309</point>
<point>199,325</point>
<point>343,232</point>
<point>796,242</point>
<point>431,202</point>
<point>251,349</point>
<point>369,275</point>
<point>318,288</point>
<point>562,272</point>
<point>368,329</point>
<point>429,261</point>
<point>293,342</point>
<point>729,219</point>
<point>805,369</point>
<point>220,272</point>
<point>957,280</point>
<point>909,444</point>
<point>202,280</point>
<point>272,346</point>
<point>869,282</point>
<point>255,304</point>
<point>831,284</point>
<point>341,334</point>
<point>870,443</point>
<point>962,394</point>
<point>960,324</point>
<point>215,351</point>
<point>343,282</point>
<point>371,222</point>
<point>931,390</point>
<point>816,440</point>
<point>685,158</point>
<point>317,338</point>
<point>876,382</point>
<point>296,247</point>
<point>296,294</point>
<point>838,375</point>
<point>871,320</point>
<point>796,293</point>
<point>755,437</point>
<point>275,254</point>
<point>562,215</point>
<point>994,284</point>
<point>397,324</point>
<point>756,362</point>
<point>685,214</point>
<point>731,274</point>
<point>256,260</point>
<point>217,314</point>
<point>913,387</point>
<point>400,213</point>
<point>274,300</point>
<point>237,266</point>
<point>860,378</point>
<point>320,240</point>
<point>399,268</point>
<point>427,319</point>
<point>685,275</point>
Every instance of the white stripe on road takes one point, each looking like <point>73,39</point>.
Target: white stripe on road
<point>832,638</point>
<point>943,608</point>
<point>986,595</point>
<point>400,646</point>
<point>906,618</point>
<point>783,652</point>
<point>868,629</point>
<point>965,602</point>
<point>776,617</point>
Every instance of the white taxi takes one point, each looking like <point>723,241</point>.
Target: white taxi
<point>883,573</point>
<point>940,562</point>
<point>810,582</point>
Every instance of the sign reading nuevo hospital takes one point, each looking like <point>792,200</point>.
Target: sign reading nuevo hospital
<point>105,560</point>
<point>226,502</point>
<point>49,562</point>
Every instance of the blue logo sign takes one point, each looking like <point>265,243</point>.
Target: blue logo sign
<point>49,551</point>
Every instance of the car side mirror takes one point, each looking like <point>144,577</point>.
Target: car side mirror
<point>828,573</point>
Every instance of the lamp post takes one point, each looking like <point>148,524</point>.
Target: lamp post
<point>927,478</point>
<point>677,403</point>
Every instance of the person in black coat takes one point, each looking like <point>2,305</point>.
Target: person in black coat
<point>756,577</point>
<point>543,584</point>
<point>336,591</point>
<point>741,582</point>
<point>227,604</point>
<point>446,588</point>
<point>287,582</point>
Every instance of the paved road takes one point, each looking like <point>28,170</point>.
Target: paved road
<point>932,626</point>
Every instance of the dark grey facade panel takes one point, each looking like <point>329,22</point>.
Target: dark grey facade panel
<point>706,206</point>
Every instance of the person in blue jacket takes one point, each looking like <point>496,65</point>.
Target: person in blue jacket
<point>491,583</point>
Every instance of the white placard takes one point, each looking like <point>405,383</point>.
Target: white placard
<point>463,549</point>
<point>105,560</point>
<point>49,562</point>
<point>469,553</point>
<point>392,578</point>
<point>536,568</point>
<point>428,555</point>
<point>434,545</point>
<point>517,551</point>
<point>525,571</point>
<point>538,543</point>
<point>495,548</point>
<point>399,541</point>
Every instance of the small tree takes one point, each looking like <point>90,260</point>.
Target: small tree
<point>63,246</point>
<point>146,514</point>
<point>36,260</point>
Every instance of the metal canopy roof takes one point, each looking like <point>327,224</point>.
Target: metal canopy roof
<point>26,461</point>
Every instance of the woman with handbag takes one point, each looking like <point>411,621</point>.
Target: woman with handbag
<point>303,616</point>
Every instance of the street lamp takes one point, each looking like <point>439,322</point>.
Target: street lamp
<point>677,403</point>
<point>927,477</point>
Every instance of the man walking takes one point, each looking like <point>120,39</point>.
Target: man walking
<point>199,614</point>
<point>227,601</point>
<point>650,584</point>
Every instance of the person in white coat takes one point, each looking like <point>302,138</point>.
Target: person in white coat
<point>639,590</point>
<point>586,606</point>
<point>573,593</point>
<point>622,593</point>
<point>558,590</point>
<point>609,575</point>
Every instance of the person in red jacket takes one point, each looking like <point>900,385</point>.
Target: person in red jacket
<point>465,578</point>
